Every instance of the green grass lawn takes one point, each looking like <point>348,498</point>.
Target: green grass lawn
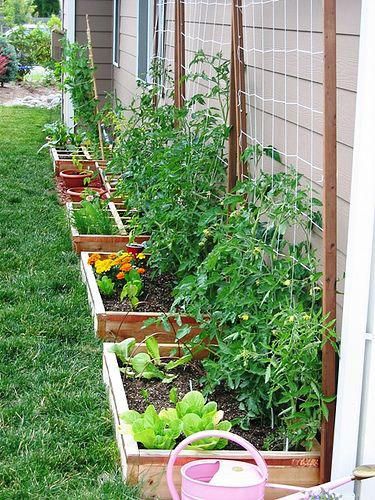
<point>56,437</point>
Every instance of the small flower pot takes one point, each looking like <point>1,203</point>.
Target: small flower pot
<point>75,193</point>
<point>135,248</point>
<point>74,177</point>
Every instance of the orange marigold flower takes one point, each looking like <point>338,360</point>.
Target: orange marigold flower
<point>120,276</point>
<point>126,258</point>
<point>126,267</point>
<point>112,256</point>
<point>93,258</point>
<point>141,270</point>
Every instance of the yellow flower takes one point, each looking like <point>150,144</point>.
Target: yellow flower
<point>291,319</point>
<point>102,266</point>
<point>257,250</point>
<point>244,316</point>
<point>306,317</point>
<point>287,282</point>
<point>207,232</point>
<point>141,256</point>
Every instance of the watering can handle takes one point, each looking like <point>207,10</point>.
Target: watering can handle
<point>259,460</point>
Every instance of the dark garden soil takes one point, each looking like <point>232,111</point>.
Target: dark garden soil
<point>140,393</point>
<point>156,296</point>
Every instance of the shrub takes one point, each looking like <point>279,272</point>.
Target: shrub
<point>18,11</point>
<point>32,46</point>
<point>9,63</point>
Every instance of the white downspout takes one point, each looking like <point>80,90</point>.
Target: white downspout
<point>70,27</point>
<point>358,264</point>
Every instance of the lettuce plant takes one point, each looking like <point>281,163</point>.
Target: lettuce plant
<point>192,414</point>
<point>148,365</point>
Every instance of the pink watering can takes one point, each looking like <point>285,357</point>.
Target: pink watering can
<point>219,479</point>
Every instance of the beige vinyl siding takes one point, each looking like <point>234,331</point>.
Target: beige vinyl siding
<point>125,74</point>
<point>212,23</point>
<point>101,23</point>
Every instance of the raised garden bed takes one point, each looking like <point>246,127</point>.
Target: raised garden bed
<point>102,242</point>
<point>117,325</point>
<point>62,157</point>
<point>148,466</point>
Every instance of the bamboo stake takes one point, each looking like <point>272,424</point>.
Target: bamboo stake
<point>91,58</point>
<point>329,228</point>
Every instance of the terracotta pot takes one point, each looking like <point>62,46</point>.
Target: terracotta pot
<point>135,248</point>
<point>74,177</point>
<point>75,193</point>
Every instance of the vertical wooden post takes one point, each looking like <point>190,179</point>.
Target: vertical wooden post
<point>179,51</point>
<point>329,227</point>
<point>233,136</point>
<point>239,83</point>
<point>155,44</point>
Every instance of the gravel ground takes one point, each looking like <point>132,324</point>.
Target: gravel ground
<point>26,95</point>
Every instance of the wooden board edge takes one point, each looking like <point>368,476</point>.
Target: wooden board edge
<point>112,379</point>
<point>120,226</point>
<point>92,287</point>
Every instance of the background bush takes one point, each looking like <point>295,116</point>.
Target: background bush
<point>7,50</point>
<point>32,46</point>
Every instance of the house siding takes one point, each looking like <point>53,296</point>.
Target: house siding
<point>101,23</point>
<point>296,123</point>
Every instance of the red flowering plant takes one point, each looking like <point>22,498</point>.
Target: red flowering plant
<point>119,273</point>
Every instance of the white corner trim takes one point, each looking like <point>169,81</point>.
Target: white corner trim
<point>358,283</point>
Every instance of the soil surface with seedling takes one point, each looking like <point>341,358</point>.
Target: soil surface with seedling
<point>141,392</point>
<point>156,295</point>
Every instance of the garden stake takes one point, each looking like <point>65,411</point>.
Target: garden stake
<point>91,57</point>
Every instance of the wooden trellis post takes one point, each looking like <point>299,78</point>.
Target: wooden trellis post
<point>237,111</point>
<point>329,227</point>
<point>179,51</point>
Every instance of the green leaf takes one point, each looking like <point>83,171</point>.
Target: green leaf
<point>130,416</point>
<point>173,396</point>
<point>153,348</point>
<point>106,286</point>
<point>183,331</point>
<point>174,363</point>
<point>147,437</point>
<point>123,349</point>
<point>191,423</point>
<point>140,361</point>
<point>192,402</point>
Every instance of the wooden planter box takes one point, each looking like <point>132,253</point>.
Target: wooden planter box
<point>115,325</point>
<point>102,242</point>
<point>62,158</point>
<point>148,466</point>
